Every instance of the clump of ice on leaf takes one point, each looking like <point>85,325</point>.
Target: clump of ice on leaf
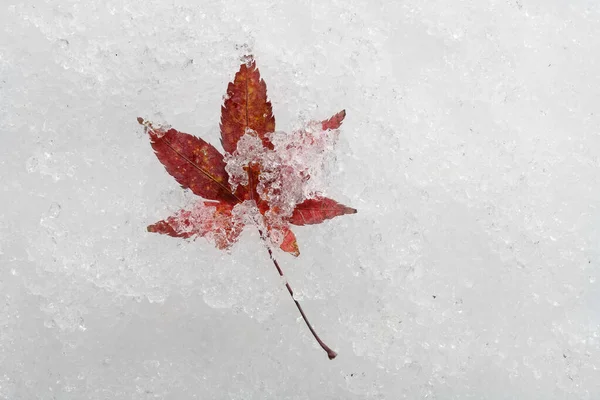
<point>246,213</point>
<point>291,172</point>
<point>205,219</point>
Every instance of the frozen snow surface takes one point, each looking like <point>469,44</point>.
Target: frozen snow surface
<point>471,149</point>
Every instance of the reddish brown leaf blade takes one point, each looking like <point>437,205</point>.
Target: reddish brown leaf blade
<point>289,244</point>
<point>194,163</point>
<point>204,219</point>
<point>246,106</point>
<point>334,122</point>
<point>315,211</point>
<point>166,227</point>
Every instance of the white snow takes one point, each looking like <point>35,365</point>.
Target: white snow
<point>470,149</point>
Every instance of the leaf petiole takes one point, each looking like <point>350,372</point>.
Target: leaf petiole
<point>330,353</point>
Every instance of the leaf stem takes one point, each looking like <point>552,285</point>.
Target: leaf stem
<point>330,353</point>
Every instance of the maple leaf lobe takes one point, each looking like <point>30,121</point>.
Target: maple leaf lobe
<point>246,107</point>
<point>317,210</point>
<point>194,163</point>
<point>290,245</point>
<point>334,122</point>
<point>212,219</point>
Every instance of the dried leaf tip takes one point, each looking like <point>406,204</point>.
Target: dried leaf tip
<point>156,132</point>
<point>247,59</point>
<point>144,123</point>
<point>334,122</point>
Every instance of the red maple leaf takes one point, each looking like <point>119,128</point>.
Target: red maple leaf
<point>261,180</point>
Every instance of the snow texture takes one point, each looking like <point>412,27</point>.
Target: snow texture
<point>470,149</point>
